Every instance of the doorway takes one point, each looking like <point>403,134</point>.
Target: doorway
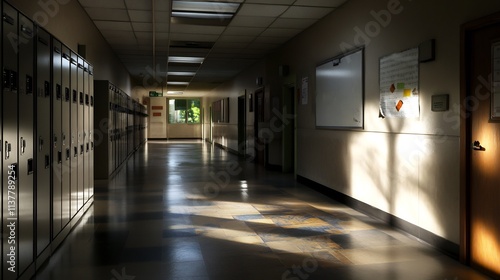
<point>260,143</point>
<point>288,139</point>
<point>480,148</point>
<point>242,125</point>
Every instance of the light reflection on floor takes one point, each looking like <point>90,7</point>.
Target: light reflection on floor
<point>155,221</point>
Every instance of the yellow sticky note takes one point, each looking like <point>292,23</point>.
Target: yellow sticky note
<point>407,92</point>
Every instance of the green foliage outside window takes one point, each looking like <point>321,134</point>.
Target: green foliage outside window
<point>184,111</point>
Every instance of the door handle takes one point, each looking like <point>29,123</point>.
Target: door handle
<point>477,146</point>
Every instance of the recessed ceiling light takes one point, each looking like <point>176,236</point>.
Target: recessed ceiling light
<point>178,83</point>
<point>186,59</point>
<point>207,7</point>
<point>185,74</point>
<point>174,92</point>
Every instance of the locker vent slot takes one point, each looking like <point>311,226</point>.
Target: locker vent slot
<point>81,149</point>
<point>27,31</point>
<point>75,151</point>
<point>59,157</point>
<point>74,96</point>
<point>8,19</point>
<point>81,98</point>
<point>87,99</point>
<point>68,153</point>
<point>88,147</point>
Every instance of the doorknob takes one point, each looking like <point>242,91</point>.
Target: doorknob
<point>477,146</point>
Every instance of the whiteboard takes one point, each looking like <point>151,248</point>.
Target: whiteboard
<point>340,91</point>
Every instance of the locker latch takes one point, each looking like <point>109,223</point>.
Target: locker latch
<point>8,149</point>
<point>40,143</point>
<point>23,145</point>
<point>55,141</point>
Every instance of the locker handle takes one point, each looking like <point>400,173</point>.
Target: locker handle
<point>29,84</point>
<point>23,145</point>
<point>57,50</point>
<point>58,92</point>
<point>66,56</point>
<point>8,149</point>
<point>13,80</point>
<point>27,31</point>
<point>75,152</point>
<point>43,41</point>
<point>30,166</point>
<point>46,88</point>
<point>40,143</point>
<point>66,94</point>
<point>68,153</point>
<point>8,19</point>
<point>81,149</point>
<point>59,157</point>
<point>47,161</point>
<point>6,76</point>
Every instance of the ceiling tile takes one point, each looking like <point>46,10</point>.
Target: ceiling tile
<point>281,2</point>
<point>140,16</point>
<point>244,31</point>
<point>272,40</point>
<point>113,25</point>
<point>251,21</point>
<point>281,32</point>
<point>142,26</point>
<point>138,5</point>
<point>144,36</point>
<point>193,37</point>
<point>298,23</point>
<point>113,34</point>
<point>320,3</point>
<point>115,4</point>
<point>162,5</point>
<point>196,29</point>
<point>229,45</point>
<point>262,10</point>
<point>107,14</point>
<point>307,12</point>
<point>236,39</point>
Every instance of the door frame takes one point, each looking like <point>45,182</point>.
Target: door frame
<point>467,30</point>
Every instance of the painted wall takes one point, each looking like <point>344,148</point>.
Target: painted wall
<point>405,167</point>
<point>69,23</point>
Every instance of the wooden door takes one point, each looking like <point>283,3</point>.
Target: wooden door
<point>482,144</point>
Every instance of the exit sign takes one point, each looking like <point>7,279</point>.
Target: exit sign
<point>155,94</point>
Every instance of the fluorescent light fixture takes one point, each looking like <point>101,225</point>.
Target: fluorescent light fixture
<point>178,73</point>
<point>207,7</point>
<point>202,15</point>
<point>178,83</point>
<point>186,59</point>
<point>174,92</point>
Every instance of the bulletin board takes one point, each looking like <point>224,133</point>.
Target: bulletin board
<point>399,79</point>
<point>340,91</point>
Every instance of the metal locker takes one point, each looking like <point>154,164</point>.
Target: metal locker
<point>101,136</point>
<point>56,140</point>
<point>86,132</point>
<point>66,136</point>
<point>43,137</point>
<point>91,132</point>
<point>26,143</point>
<point>111,129</point>
<point>10,170</point>
<point>74,134</point>
<point>81,143</point>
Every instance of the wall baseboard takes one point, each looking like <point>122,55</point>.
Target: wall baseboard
<point>443,245</point>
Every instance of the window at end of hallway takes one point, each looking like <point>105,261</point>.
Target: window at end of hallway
<point>184,111</point>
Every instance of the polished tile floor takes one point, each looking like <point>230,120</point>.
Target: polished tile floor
<point>186,210</point>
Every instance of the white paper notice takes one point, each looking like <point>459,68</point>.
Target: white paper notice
<point>399,96</point>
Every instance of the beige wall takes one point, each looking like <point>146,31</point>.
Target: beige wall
<point>68,22</point>
<point>405,167</point>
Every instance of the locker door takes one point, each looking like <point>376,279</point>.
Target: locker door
<point>10,169</point>
<point>57,93</point>
<point>66,136</point>
<point>26,142</point>
<point>86,132</point>
<point>111,132</point>
<point>81,143</point>
<point>92,134</point>
<point>74,134</point>
<point>43,137</point>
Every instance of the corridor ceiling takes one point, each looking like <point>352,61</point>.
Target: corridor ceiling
<point>195,45</point>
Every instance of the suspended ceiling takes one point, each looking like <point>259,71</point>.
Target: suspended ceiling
<point>195,45</point>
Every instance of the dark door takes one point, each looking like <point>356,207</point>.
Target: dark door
<point>242,125</point>
<point>482,145</point>
<point>260,145</point>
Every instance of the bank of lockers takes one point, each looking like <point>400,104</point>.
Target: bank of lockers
<point>46,143</point>
<point>119,124</point>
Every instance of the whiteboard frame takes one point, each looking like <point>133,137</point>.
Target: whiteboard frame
<point>360,96</point>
